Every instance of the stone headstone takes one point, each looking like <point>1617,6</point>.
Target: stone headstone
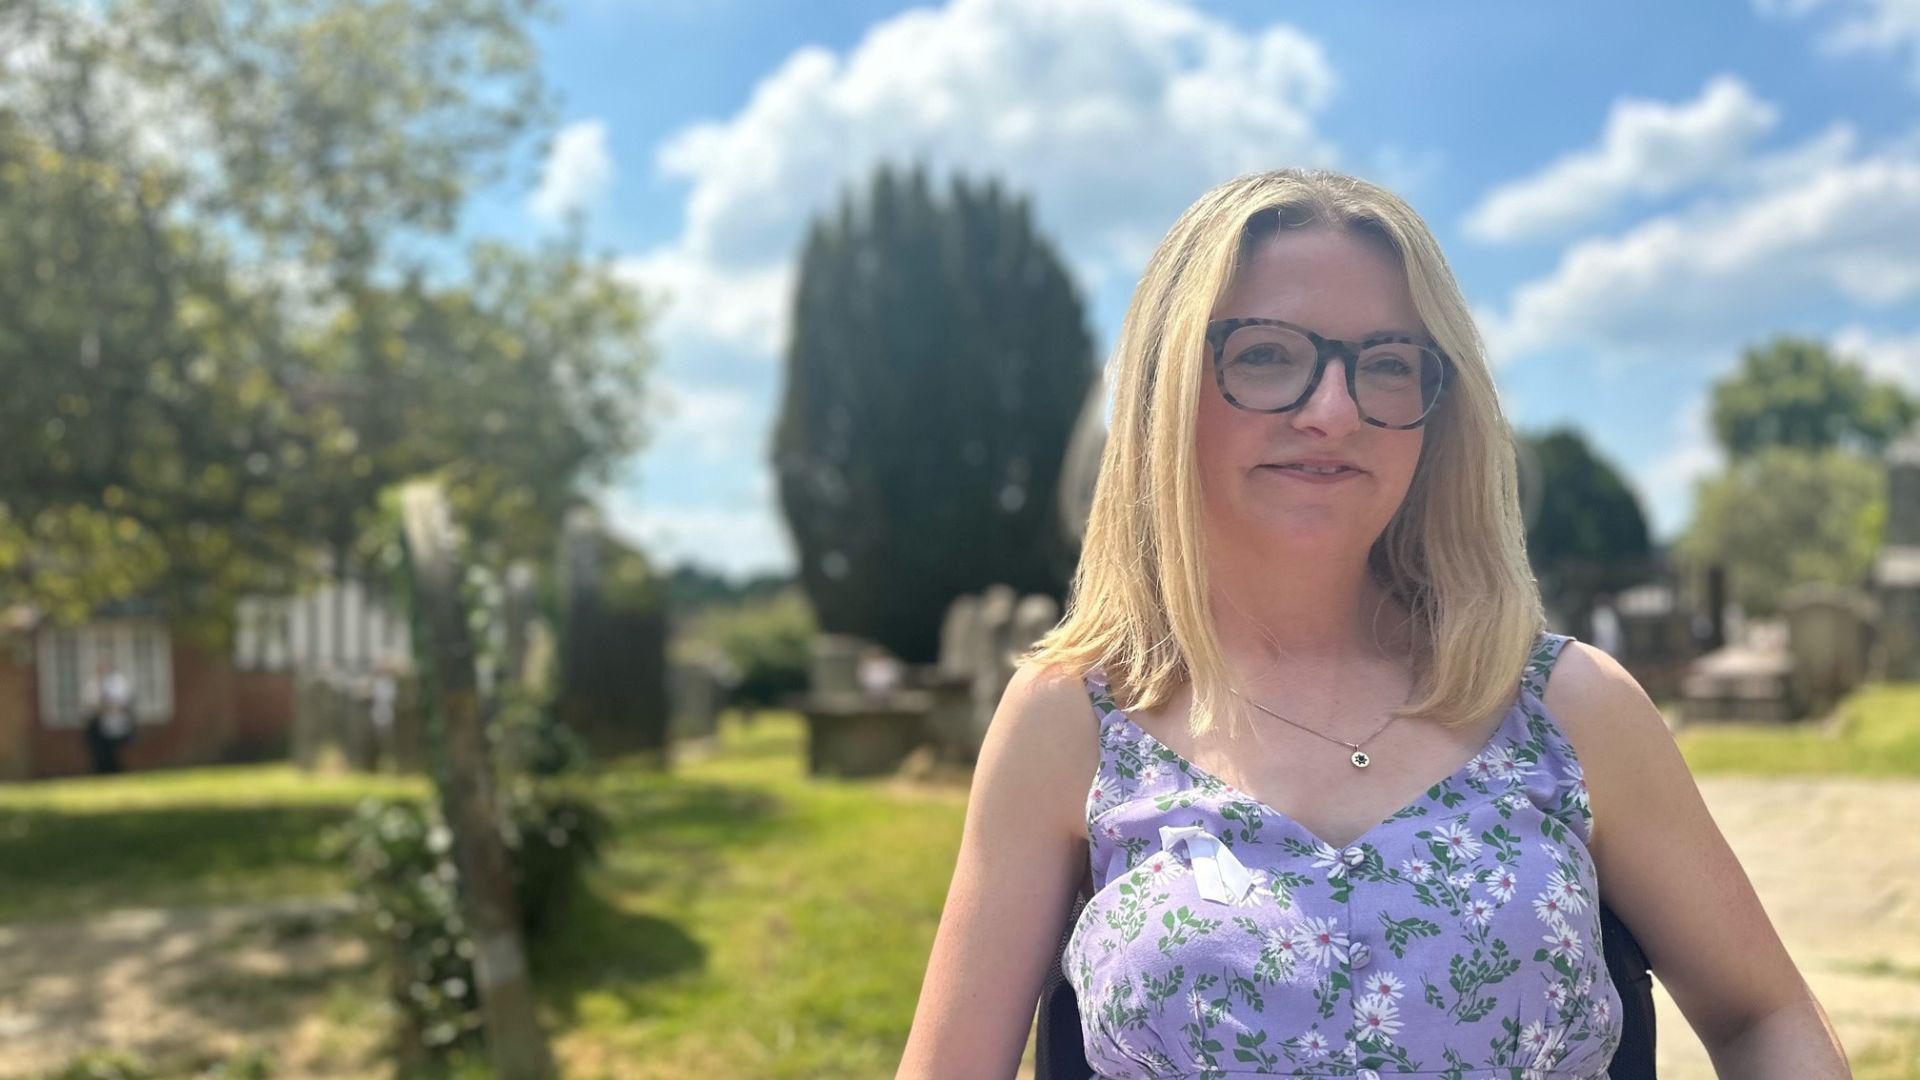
<point>1750,680</point>
<point>834,664</point>
<point>1896,575</point>
<point>991,669</point>
<point>1033,616</point>
<point>959,635</point>
<point>1829,637</point>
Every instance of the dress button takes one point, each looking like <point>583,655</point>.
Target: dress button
<point>1353,856</point>
<point>1360,955</point>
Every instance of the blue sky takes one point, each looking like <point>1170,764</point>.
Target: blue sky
<point>1628,192</point>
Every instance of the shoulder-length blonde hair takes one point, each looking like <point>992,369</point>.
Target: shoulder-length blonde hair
<point>1454,554</point>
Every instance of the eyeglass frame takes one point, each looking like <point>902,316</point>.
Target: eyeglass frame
<point>1219,330</point>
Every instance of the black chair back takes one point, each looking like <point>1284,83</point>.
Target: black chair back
<point>1060,1052</point>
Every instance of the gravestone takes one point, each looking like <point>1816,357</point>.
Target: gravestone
<point>852,730</point>
<point>613,638</point>
<point>959,636</point>
<point>1896,575</point>
<point>1830,634</point>
<point>1033,616</point>
<point>992,668</point>
<point>1749,679</point>
<point>950,680</point>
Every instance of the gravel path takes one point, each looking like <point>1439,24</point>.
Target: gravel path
<point>184,985</point>
<point>1858,946</point>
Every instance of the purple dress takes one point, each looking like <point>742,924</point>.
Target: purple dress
<point>1458,938</point>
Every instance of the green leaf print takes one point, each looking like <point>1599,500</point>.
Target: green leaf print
<point>1249,1050</point>
<point>1469,976</point>
<point>1244,987</point>
<point>1505,845</point>
<point>1178,923</point>
<point>1401,931</point>
<point>1327,991</point>
<point>1248,814</point>
<point>1159,990</point>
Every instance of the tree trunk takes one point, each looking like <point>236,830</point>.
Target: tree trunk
<point>516,1043</point>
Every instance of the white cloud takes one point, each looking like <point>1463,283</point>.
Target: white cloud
<point>1110,116</point>
<point>1717,274</point>
<point>1894,358</point>
<point>736,541</point>
<point>1648,148</point>
<point>1057,99</point>
<point>1668,481</point>
<point>702,306</point>
<point>709,423</point>
<point>577,173</point>
<point>1885,26</point>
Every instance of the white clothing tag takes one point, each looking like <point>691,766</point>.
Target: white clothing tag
<point>1216,873</point>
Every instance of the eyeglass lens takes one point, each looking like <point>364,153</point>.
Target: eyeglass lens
<point>1267,367</point>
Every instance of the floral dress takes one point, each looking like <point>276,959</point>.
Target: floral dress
<point>1458,938</point>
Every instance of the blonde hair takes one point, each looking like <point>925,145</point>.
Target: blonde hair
<point>1454,553</point>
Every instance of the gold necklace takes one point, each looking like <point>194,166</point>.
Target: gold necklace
<point>1360,758</point>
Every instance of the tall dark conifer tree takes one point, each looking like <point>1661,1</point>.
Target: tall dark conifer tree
<point>939,358</point>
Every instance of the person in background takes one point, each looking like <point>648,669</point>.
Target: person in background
<point>110,721</point>
<point>1606,625</point>
<point>382,694</point>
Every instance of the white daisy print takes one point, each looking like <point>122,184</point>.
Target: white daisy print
<point>1326,943</point>
<point>1550,1048</point>
<point>1550,908</point>
<point>1564,941</point>
<point>1501,885</point>
<point>1416,869</point>
<point>1532,1038</point>
<point>1572,894</point>
<point>1385,984</point>
<point>1462,879</point>
<point>1376,1016</point>
<point>1459,839</point>
<point>1312,1045</point>
<point>1556,995</point>
<point>1478,911</point>
<point>1289,949</point>
<point>1325,857</point>
<point>1160,868</point>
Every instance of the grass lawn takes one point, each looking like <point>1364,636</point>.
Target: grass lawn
<point>747,921</point>
<point>1874,732</point>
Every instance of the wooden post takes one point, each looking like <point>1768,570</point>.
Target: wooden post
<point>466,787</point>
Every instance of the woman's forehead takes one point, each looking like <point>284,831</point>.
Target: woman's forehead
<point>1338,283</point>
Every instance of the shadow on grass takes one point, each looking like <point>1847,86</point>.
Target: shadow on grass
<point>62,863</point>
<point>671,839</point>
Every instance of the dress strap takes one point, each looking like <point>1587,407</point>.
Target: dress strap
<point>1547,647</point>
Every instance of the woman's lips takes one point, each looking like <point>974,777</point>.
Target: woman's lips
<point>1311,478</point>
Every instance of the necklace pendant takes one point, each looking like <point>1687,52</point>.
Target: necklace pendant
<point>1361,760</point>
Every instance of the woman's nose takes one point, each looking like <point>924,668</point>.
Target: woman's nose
<point>1331,409</point>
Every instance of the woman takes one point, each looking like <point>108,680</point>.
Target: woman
<point>1297,732</point>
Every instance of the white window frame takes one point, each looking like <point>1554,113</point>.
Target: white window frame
<point>64,659</point>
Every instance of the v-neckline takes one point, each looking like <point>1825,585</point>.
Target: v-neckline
<point>1265,807</point>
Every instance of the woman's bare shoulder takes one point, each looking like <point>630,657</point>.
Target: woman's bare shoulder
<point>1044,742</point>
<point>1612,723</point>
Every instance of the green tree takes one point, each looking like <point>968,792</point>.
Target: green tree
<point>1586,532</point>
<point>1793,391</point>
<point>1785,515</point>
<point>231,305</point>
<point>939,358</point>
